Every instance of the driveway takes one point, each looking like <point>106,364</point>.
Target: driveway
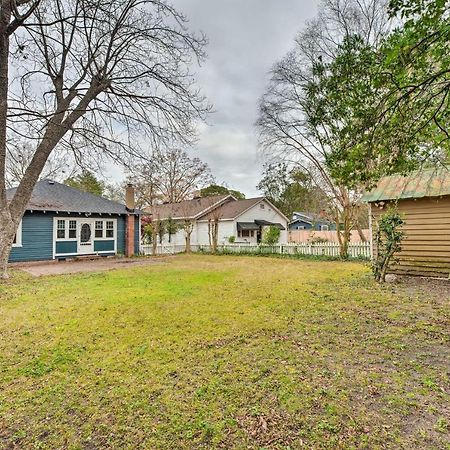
<point>85,265</point>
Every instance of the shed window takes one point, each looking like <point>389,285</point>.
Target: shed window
<point>72,229</point>
<point>109,228</point>
<point>245,233</point>
<point>61,229</point>
<point>324,227</point>
<point>99,228</point>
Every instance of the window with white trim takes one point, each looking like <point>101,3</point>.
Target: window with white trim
<point>72,229</point>
<point>324,228</point>
<point>109,228</point>
<point>61,229</point>
<point>99,228</point>
<point>17,242</point>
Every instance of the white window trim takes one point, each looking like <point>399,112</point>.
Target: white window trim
<point>18,242</point>
<point>324,228</point>
<point>104,238</point>
<point>79,220</point>
<point>66,229</point>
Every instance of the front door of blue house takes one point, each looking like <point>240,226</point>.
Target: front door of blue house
<point>86,237</point>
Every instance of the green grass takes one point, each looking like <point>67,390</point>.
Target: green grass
<point>205,352</point>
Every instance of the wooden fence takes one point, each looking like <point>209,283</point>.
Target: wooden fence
<point>331,249</point>
<point>301,236</point>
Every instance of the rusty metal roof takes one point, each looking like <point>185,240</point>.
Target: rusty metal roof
<point>424,183</point>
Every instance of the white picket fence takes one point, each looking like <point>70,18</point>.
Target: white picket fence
<point>355,250</point>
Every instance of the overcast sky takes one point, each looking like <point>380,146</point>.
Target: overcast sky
<point>246,37</point>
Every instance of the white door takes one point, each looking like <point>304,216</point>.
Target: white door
<point>85,239</point>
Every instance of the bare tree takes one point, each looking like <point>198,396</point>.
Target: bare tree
<point>188,227</point>
<point>286,131</point>
<point>213,218</point>
<point>59,166</point>
<point>171,176</point>
<point>98,77</point>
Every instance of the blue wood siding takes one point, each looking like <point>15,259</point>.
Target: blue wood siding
<point>37,238</point>
<point>300,225</point>
<point>66,247</point>
<point>121,234</point>
<point>104,246</point>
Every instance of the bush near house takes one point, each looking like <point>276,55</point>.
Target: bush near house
<point>271,235</point>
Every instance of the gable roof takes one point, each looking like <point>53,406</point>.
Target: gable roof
<point>232,210</point>
<point>425,183</point>
<point>309,218</point>
<point>51,196</point>
<point>189,209</point>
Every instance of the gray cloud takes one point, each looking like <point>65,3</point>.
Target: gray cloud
<point>246,37</point>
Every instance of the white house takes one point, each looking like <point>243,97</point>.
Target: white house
<point>245,220</point>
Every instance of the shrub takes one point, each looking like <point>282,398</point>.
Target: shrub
<point>271,235</point>
<point>388,238</point>
<point>232,239</point>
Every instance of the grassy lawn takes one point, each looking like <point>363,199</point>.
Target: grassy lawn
<point>204,352</point>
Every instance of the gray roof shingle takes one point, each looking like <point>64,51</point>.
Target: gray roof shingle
<point>189,208</point>
<point>231,210</point>
<point>51,196</point>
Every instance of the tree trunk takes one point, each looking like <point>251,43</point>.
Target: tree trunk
<point>360,232</point>
<point>188,242</point>
<point>215,235</point>
<point>345,234</point>
<point>8,230</point>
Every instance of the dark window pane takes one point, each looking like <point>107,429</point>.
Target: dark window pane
<point>98,233</point>
<point>72,234</point>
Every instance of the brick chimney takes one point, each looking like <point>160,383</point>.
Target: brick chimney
<point>130,221</point>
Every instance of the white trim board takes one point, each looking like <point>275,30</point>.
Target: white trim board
<point>77,239</point>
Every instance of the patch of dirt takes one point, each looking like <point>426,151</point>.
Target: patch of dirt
<point>86,265</point>
<point>270,431</point>
<point>438,289</point>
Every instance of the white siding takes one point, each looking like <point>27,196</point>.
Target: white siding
<point>267,213</point>
<point>228,228</point>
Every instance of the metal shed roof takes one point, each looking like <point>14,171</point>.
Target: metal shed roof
<point>424,183</point>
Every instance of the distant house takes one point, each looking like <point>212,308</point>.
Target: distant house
<point>62,222</point>
<point>423,200</point>
<point>241,220</point>
<point>310,221</point>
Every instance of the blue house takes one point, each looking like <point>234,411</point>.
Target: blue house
<point>62,222</point>
<point>308,221</point>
